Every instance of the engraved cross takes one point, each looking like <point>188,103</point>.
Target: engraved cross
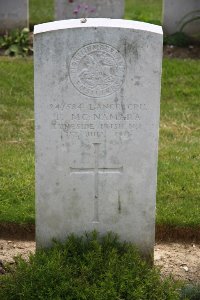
<point>96,170</point>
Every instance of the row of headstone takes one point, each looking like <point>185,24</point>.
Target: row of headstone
<point>113,9</point>
<point>179,15</point>
<point>14,13</point>
<point>97,99</point>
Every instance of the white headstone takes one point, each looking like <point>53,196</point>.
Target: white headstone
<point>113,9</point>
<point>13,14</point>
<point>181,15</point>
<point>97,99</point>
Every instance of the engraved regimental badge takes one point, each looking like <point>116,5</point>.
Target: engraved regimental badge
<point>97,70</point>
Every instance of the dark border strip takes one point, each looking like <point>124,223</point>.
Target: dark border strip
<point>13,231</point>
<point>164,233</point>
<point>169,233</point>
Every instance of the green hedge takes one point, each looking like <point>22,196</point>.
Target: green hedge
<point>86,268</point>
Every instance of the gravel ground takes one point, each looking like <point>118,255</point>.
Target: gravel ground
<point>180,260</point>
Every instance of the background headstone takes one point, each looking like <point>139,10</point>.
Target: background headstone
<point>97,99</point>
<point>13,14</point>
<point>176,13</point>
<point>104,9</point>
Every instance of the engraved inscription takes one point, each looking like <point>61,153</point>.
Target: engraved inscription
<point>97,70</point>
<point>90,120</point>
<point>96,170</point>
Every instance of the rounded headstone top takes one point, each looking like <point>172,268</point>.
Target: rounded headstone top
<point>97,22</point>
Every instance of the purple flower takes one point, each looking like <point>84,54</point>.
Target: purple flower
<point>82,9</point>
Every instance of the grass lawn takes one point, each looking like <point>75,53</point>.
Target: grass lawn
<point>16,140</point>
<point>143,10</point>
<point>178,197</point>
<point>41,11</point>
<point>178,172</point>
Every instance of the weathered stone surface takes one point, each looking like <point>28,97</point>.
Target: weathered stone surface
<point>13,14</point>
<point>113,9</point>
<point>97,99</point>
<point>181,15</point>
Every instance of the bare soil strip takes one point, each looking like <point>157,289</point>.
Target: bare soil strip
<point>192,52</point>
<point>180,260</point>
<point>177,250</point>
